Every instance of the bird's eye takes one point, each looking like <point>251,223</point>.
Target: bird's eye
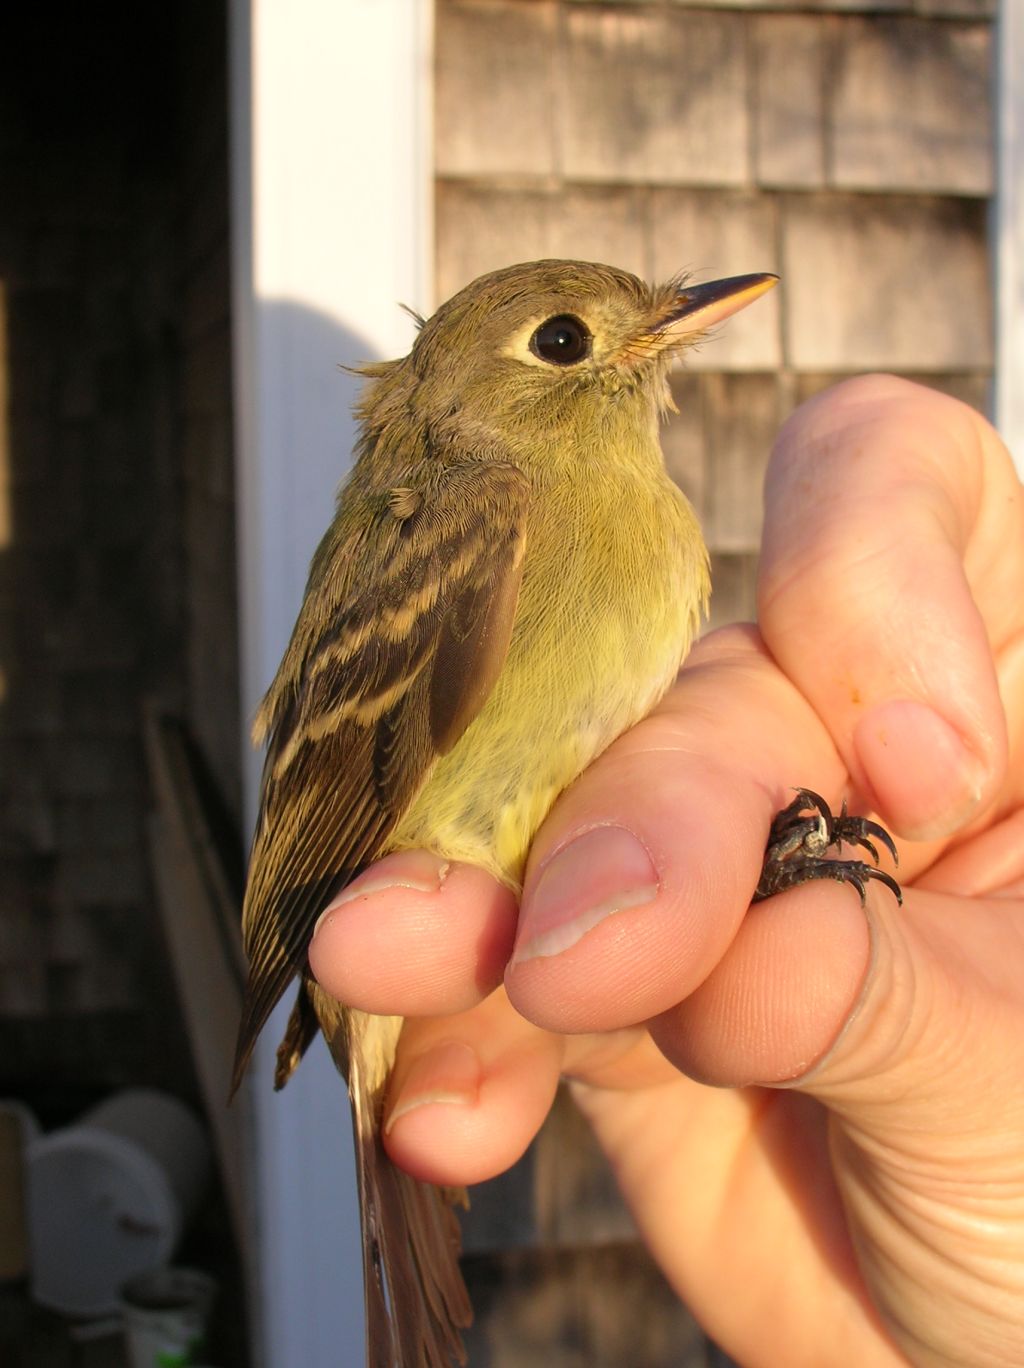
<point>561,340</point>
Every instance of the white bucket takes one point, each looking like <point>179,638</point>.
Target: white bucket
<point>110,1196</point>
<point>165,1317</point>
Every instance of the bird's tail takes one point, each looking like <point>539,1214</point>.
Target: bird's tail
<point>416,1300</point>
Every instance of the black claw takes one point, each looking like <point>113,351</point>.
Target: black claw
<point>889,882</point>
<point>859,874</point>
<point>880,834</point>
<point>801,834</point>
<point>807,798</point>
<point>865,844</point>
<point>857,830</point>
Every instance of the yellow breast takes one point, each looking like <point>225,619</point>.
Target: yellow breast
<point>614,584</point>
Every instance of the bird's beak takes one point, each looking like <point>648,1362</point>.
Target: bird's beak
<point>699,307</point>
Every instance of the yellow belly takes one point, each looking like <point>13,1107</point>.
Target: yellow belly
<point>610,601</point>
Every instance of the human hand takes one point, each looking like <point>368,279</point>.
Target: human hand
<point>816,1113</point>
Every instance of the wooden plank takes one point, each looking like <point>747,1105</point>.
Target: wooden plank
<point>200,917</point>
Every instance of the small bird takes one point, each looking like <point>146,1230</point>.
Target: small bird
<point>511,580</point>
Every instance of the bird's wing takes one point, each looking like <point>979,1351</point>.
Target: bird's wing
<point>359,716</point>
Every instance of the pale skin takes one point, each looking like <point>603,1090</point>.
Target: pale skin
<point>819,1124</point>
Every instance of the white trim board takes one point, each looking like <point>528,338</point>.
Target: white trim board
<point>1009,228</point>
<point>331,203</point>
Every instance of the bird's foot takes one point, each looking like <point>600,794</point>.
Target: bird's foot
<point>802,834</point>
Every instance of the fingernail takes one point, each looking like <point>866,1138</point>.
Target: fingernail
<point>448,1073</point>
<point>602,872</point>
<point>920,768</point>
<point>417,869</point>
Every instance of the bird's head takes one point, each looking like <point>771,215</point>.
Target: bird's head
<point>560,347</point>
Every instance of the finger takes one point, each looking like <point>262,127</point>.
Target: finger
<point>931,1036</point>
<point>808,973</point>
<point>468,1093</point>
<point>928,1134</point>
<point>990,864</point>
<point>644,870</point>
<point>414,936</point>
<point>892,563</point>
<point>781,994</point>
<point>921,1078</point>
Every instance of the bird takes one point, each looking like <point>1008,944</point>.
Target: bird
<point>511,579</point>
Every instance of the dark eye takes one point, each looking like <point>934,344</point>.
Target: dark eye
<point>561,340</point>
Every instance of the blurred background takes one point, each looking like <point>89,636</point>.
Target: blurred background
<point>205,209</point>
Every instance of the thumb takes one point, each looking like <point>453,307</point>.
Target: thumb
<point>894,535</point>
<point>922,1091</point>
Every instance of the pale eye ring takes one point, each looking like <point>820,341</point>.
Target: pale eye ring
<point>562,340</point>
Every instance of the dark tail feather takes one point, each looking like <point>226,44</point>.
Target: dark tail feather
<point>416,1301</point>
